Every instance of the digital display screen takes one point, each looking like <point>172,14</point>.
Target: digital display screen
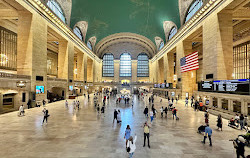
<point>240,86</point>
<point>71,88</point>
<point>39,89</point>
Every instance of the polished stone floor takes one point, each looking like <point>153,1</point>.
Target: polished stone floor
<point>83,133</point>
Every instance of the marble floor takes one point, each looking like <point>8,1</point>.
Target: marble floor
<point>83,133</point>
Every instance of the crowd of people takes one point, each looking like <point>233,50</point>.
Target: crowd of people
<point>150,113</point>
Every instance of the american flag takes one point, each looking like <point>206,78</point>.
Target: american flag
<point>189,62</point>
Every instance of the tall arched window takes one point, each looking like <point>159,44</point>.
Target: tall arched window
<point>161,45</point>
<point>108,65</point>
<point>55,7</point>
<point>194,7</point>
<point>172,32</point>
<point>78,33</point>
<point>125,65</point>
<point>142,65</point>
<point>89,45</point>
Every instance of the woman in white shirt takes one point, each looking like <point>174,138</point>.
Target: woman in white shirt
<point>131,146</point>
<point>21,110</point>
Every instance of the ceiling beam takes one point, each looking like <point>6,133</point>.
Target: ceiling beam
<point>240,5</point>
<point>8,14</point>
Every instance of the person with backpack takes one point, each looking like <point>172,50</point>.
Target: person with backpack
<point>131,146</point>
<point>174,112</point>
<point>46,115</point>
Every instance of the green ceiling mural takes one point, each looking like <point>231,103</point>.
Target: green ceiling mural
<point>106,17</point>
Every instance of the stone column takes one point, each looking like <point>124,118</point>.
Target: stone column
<point>85,67</point>
<point>116,70</point>
<point>210,101</point>
<point>32,50</point>
<point>160,70</point>
<point>230,105</point>
<point>80,66</point>
<point>219,103</point>
<point>1,103</point>
<point>89,70</point>
<point>243,107</point>
<point>218,52</point>
<point>169,67</point>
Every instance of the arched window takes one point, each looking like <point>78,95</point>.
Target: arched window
<point>108,65</point>
<point>89,45</point>
<point>125,65</point>
<point>142,66</point>
<point>78,33</point>
<point>194,7</point>
<point>161,45</point>
<point>55,7</point>
<point>172,32</point>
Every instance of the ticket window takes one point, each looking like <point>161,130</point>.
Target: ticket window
<point>224,103</point>
<point>215,102</point>
<point>237,106</point>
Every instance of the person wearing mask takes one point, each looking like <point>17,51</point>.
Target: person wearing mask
<point>219,122</point>
<point>127,133</point>
<point>146,133</point>
<point>208,133</point>
<point>130,145</point>
<point>45,115</point>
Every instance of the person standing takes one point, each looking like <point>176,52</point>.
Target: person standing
<point>29,104</point>
<point>206,118</point>
<point>151,116</point>
<point>146,133</point>
<point>127,133</point>
<point>146,111</point>
<point>196,105</point>
<point>21,110</point>
<point>115,116</point>
<point>176,99</point>
<point>219,122</point>
<point>45,115</point>
<point>172,100</point>
<point>66,104</point>
<point>74,105</point>
<point>192,101</point>
<point>130,145</point>
<point>208,133</point>
<point>162,111</point>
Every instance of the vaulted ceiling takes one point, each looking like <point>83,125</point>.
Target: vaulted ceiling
<point>107,17</point>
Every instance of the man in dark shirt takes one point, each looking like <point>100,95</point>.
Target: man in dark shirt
<point>115,115</point>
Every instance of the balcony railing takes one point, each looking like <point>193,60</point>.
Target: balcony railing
<point>14,76</point>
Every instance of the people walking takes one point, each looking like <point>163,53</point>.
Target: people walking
<point>66,104</point>
<point>44,103</point>
<point>127,133</point>
<point>98,109</point>
<point>242,122</point>
<point>174,112</point>
<point>115,116</point>
<point>219,122</point>
<point>162,111</point>
<point>151,116</point>
<point>119,119</point>
<point>45,115</point>
<point>240,147</point>
<point>208,133</point>
<point>21,110</point>
<point>130,145</point>
<point>146,111</point>
<point>146,133</point>
<point>206,118</point>
<point>186,102</point>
